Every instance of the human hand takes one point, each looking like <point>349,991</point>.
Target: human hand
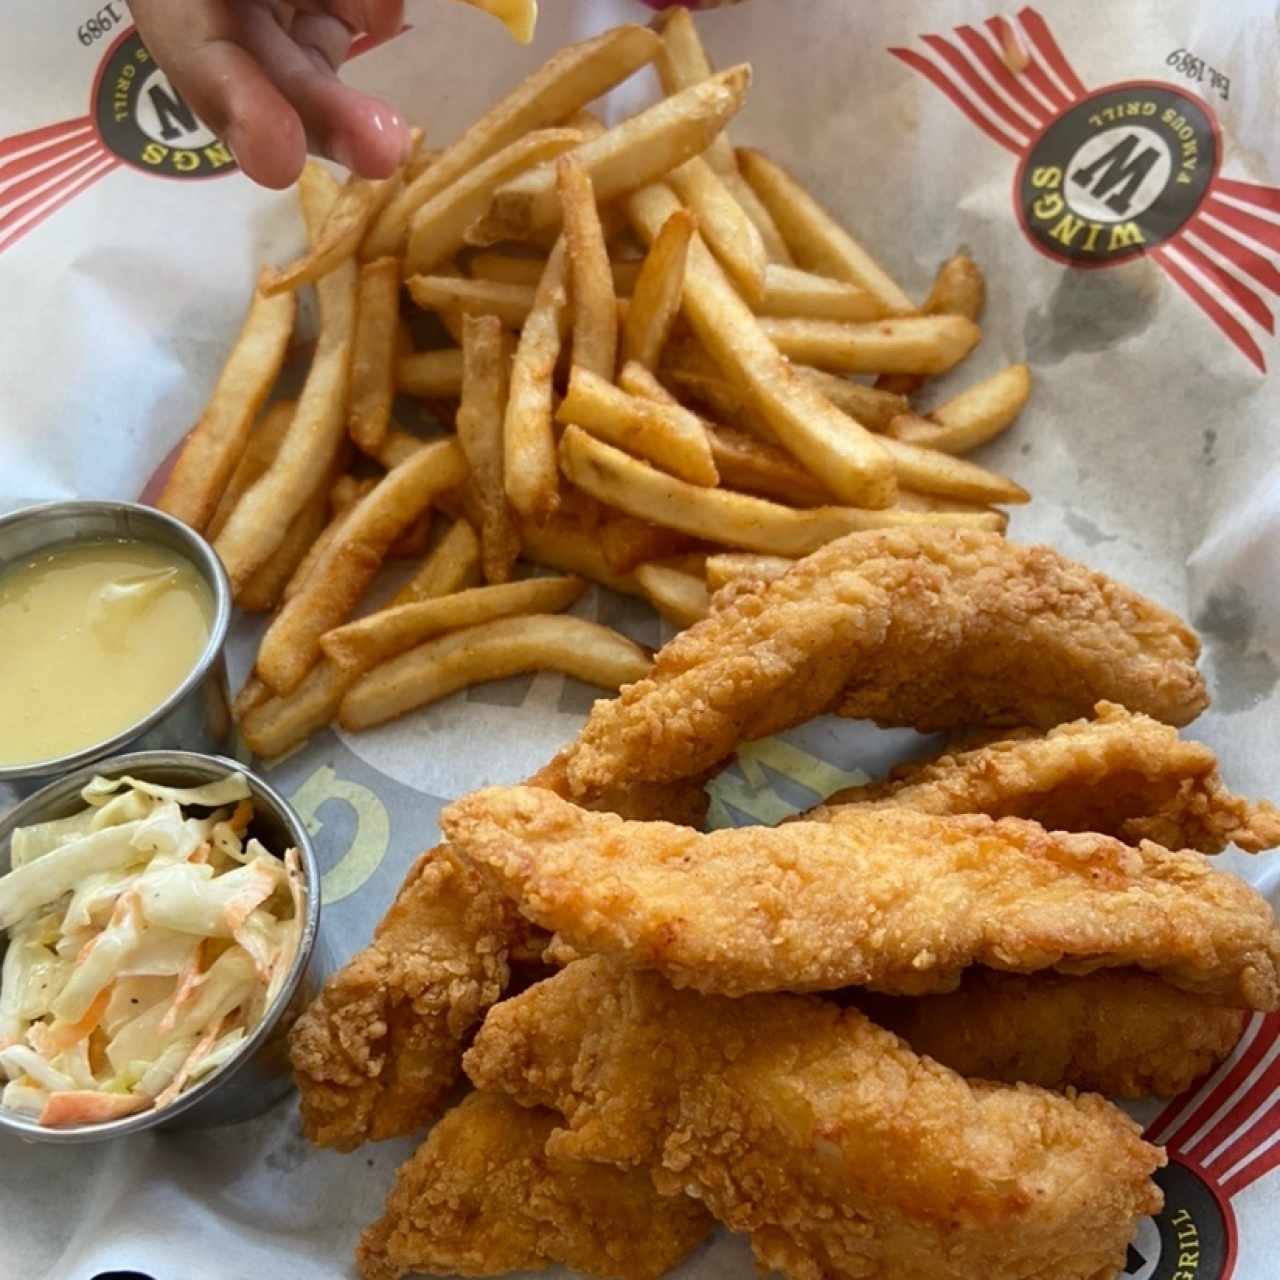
<point>262,74</point>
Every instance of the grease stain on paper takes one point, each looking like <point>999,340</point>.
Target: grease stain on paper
<point>1092,311</point>
<point>1245,675</point>
<point>1088,532</point>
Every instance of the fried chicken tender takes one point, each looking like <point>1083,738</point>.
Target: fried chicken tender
<point>839,1150</point>
<point>1122,1033</point>
<point>930,628</point>
<point>890,899</point>
<point>1120,774</point>
<point>480,1198</point>
<point>377,1052</point>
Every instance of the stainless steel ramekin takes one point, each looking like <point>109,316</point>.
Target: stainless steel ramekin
<point>196,715</point>
<point>258,1076</point>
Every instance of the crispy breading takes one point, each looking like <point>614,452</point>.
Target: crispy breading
<point>839,1150</point>
<point>1120,774</point>
<point>930,628</point>
<point>891,899</point>
<point>480,1197</point>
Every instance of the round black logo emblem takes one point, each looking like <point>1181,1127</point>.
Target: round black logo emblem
<point>1193,1238</point>
<point>141,118</point>
<point>1119,173</point>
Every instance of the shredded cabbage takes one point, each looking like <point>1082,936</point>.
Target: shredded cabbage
<point>225,791</point>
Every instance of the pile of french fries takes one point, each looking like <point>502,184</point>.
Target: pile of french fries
<point>651,363</point>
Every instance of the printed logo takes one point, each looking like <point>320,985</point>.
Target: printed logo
<point>1108,175</point>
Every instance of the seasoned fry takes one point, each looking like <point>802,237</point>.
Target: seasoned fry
<point>973,417</point>
<point>789,291</point>
<point>627,542</point>
<point>253,693</point>
<point>630,155</point>
<point>567,82</point>
<point>492,651</point>
<point>959,289</point>
<point>398,446</point>
<point>871,406</point>
<point>680,597</point>
<point>681,64</point>
<point>725,228</point>
<point>265,588</point>
<point>775,246</point>
<point>511,303</point>
<point>520,17</point>
<point>316,551</point>
<point>737,566</point>
<point>755,466</point>
<point>564,544</point>
<point>438,229</point>
<point>595,307</point>
<point>213,449</point>
<point>656,300</point>
<point>529,464</point>
<point>669,436</point>
<point>292,643</point>
<point>259,453</point>
<point>373,359</point>
<point>928,471</point>
<point>719,515</point>
<point>359,646</point>
<point>281,722</point>
<point>451,566</point>
<point>817,242</point>
<point>486,371</point>
<point>507,268</point>
<point>902,344</point>
<point>347,490</point>
<point>433,375</point>
<point>848,458</point>
<point>413,542</point>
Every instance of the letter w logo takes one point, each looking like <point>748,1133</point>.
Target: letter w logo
<point>1118,167</point>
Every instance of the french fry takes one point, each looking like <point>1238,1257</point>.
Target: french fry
<point>280,723</point>
<point>362,645</point>
<point>529,455</point>
<point>566,545</point>
<point>373,358</point>
<point>788,292</point>
<point>438,229</point>
<point>901,344</point>
<point>725,228</point>
<point>595,307</point>
<point>755,466</point>
<point>265,588</point>
<point>511,303</point>
<point>659,288</point>
<point>492,651</point>
<point>486,372</point>
<point>260,451</point>
<point>573,77</point>
<point>586,123</point>
<point>453,564</point>
<point>720,515</point>
<point>315,552</point>
<point>413,542</point>
<point>959,289</point>
<point>507,268</point>
<point>737,566</point>
<point>257,526</point>
<point>775,246</point>
<point>433,375</point>
<point>682,63</point>
<point>253,693</point>
<point>817,242</point>
<point>213,449</point>
<point>849,459</point>
<point>911,501</point>
<point>419,162</point>
<point>627,542</point>
<point>520,17</point>
<point>292,643</point>
<point>630,155</point>
<point>928,471</point>
<point>973,417</point>
<point>636,380</point>
<point>680,597</point>
<point>347,490</point>
<point>398,446</point>
<point>669,436</point>
<point>871,406</point>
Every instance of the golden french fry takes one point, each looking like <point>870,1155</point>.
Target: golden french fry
<point>720,515</point>
<point>413,542</point>
<point>565,544</point>
<point>873,407</point>
<point>438,229</point>
<point>520,17</point>
<point>492,651</point>
<point>347,490</point>
<point>586,123</point>
<point>279,723</point>
<point>595,307</point>
<point>630,155</point>
<point>627,542</point>
<point>683,63</point>
<point>265,588</point>
<point>259,452</point>
<point>788,292</point>
<point>507,268</point>
<point>573,77</point>
<point>529,451</point>
<point>511,303</point>
<point>725,228</point>
<point>260,521</point>
<point>737,566</point>
<point>486,372</point>
<point>213,449</point>
<point>755,466</point>
<point>637,380</point>
<point>973,417</point>
<point>373,358</point>
<point>911,501</point>
<point>774,245</point>
<point>253,693</point>
<point>817,242</point>
<point>680,597</point>
<point>901,344</point>
<point>959,289</point>
<point>292,643</point>
<point>397,446</point>
<point>314,554</point>
<point>433,375</point>
<point>669,436</point>
<point>656,300</point>
<point>453,564</point>
<point>421,157</point>
<point>849,459</point>
<point>928,471</point>
<point>362,645</point>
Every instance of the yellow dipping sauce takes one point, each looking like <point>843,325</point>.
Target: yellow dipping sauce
<point>93,637</point>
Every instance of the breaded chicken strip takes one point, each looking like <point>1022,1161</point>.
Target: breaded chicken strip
<point>377,1052</point>
<point>823,1136</point>
<point>929,628</point>
<point>1121,1033</point>
<point>890,899</point>
<point>1119,774</point>
<point>480,1198</point>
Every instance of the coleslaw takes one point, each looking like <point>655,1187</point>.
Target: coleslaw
<point>145,944</point>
